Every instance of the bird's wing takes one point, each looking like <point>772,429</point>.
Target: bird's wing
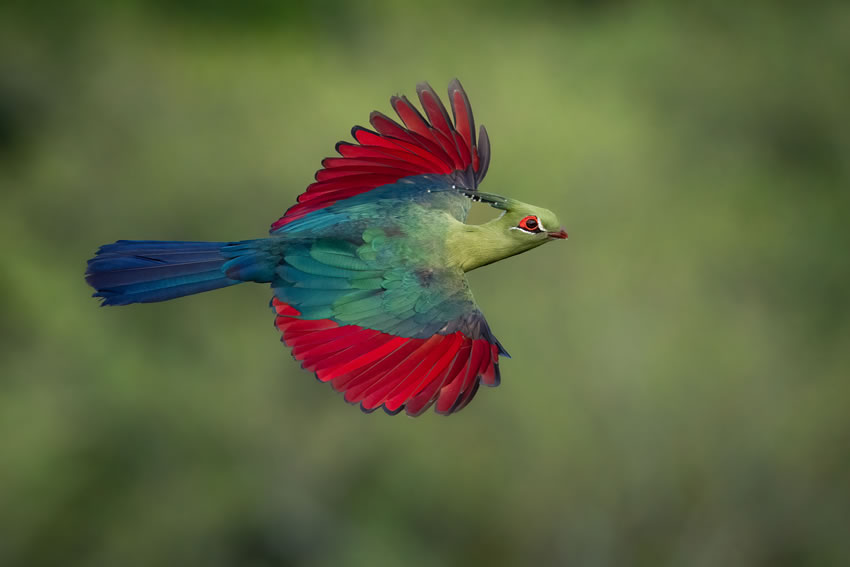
<point>430,144</point>
<point>387,335</point>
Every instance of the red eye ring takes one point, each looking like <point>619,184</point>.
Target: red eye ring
<point>530,223</point>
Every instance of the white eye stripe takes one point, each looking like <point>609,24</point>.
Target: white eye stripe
<point>526,231</point>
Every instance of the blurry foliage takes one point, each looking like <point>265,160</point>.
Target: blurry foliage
<point>678,393</point>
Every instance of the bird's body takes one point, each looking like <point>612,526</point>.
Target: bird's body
<point>368,268</point>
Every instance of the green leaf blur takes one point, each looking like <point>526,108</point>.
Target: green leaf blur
<point>679,393</point>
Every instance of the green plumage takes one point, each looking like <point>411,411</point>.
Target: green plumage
<point>394,259</point>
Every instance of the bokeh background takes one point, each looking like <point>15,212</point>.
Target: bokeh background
<point>680,387</point>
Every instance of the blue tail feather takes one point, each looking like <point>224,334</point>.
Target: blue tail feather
<point>144,271</point>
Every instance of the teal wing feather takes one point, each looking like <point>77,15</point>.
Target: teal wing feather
<point>352,285</point>
<point>431,195</point>
<point>376,315</point>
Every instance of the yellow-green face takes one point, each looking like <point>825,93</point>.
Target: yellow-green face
<point>530,226</point>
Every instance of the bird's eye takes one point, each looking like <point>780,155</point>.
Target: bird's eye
<point>529,223</point>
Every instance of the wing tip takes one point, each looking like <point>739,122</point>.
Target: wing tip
<point>454,85</point>
<point>424,86</point>
<point>388,411</point>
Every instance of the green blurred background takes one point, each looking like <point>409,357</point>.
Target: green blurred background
<point>679,390</point>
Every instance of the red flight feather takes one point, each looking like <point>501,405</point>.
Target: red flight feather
<point>394,151</point>
<point>377,369</point>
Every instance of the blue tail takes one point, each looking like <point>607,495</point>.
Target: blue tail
<point>144,271</point>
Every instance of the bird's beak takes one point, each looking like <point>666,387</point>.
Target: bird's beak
<point>562,234</point>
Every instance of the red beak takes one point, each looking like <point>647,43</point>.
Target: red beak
<point>562,234</point>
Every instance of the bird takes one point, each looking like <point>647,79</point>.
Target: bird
<point>368,267</point>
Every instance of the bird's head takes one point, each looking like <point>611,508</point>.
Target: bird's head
<point>531,226</point>
<point>528,225</point>
<point>518,229</point>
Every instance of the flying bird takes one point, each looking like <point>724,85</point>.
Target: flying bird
<point>368,267</point>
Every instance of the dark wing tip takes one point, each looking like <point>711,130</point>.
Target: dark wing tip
<point>424,86</point>
<point>454,85</point>
<point>396,411</point>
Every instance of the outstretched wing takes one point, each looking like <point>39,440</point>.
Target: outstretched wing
<point>391,336</point>
<point>393,151</point>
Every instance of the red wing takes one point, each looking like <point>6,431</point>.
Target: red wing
<point>376,369</point>
<point>393,151</point>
